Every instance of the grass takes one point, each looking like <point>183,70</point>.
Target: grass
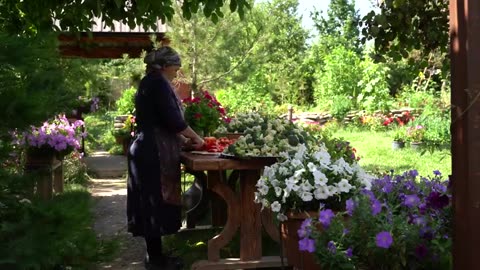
<point>377,155</point>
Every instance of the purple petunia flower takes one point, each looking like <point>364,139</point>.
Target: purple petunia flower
<point>437,173</point>
<point>376,207</point>
<point>345,231</point>
<point>421,251</point>
<point>426,233</point>
<point>350,206</point>
<point>331,247</point>
<point>306,244</point>
<point>411,200</point>
<point>325,217</point>
<point>349,252</point>
<point>436,200</point>
<point>413,173</point>
<point>384,240</point>
<point>305,230</point>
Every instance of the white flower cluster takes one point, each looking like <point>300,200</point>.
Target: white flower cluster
<point>241,122</point>
<point>269,137</point>
<point>306,177</point>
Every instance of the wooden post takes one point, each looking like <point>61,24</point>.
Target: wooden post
<point>290,112</point>
<point>465,65</point>
<point>251,221</point>
<point>58,178</point>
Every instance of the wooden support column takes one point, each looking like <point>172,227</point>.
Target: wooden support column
<point>465,67</point>
<point>251,220</point>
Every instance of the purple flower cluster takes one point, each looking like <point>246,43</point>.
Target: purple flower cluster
<point>60,135</point>
<point>405,217</point>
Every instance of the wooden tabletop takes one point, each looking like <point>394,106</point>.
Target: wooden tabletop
<point>214,163</point>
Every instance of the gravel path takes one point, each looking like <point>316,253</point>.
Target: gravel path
<point>110,222</point>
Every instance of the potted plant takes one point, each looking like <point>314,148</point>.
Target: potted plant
<point>204,113</point>
<point>124,131</point>
<point>294,189</point>
<point>403,222</point>
<point>415,135</point>
<point>399,138</point>
<point>54,139</point>
<point>239,123</point>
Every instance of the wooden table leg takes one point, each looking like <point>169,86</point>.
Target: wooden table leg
<point>219,209</point>
<point>251,224</point>
<point>231,226</point>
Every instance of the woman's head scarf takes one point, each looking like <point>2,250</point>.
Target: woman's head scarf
<point>163,57</point>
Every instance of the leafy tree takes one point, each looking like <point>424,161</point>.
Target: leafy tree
<point>404,25</point>
<point>282,50</point>
<point>32,16</point>
<point>211,52</point>
<point>340,25</point>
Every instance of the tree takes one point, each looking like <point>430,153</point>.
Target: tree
<point>211,52</point>
<point>340,26</point>
<point>282,50</point>
<point>33,16</point>
<point>404,25</point>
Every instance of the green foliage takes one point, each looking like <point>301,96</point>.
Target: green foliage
<point>32,17</point>
<point>126,103</point>
<point>403,25</point>
<point>253,95</point>
<point>32,81</point>
<point>375,91</point>
<point>99,127</point>
<point>340,27</point>
<point>65,223</point>
<point>75,170</point>
<point>337,85</point>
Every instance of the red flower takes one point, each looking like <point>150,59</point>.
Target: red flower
<point>198,116</point>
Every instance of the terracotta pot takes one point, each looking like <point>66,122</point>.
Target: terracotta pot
<point>300,260</point>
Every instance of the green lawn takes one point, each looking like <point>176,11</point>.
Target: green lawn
<point>377,155</point>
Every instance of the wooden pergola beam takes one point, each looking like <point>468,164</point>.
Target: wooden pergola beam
<point>465,72</point>
<point>107,44</point>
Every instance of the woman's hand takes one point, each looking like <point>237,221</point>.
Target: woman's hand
<point>197,143</point>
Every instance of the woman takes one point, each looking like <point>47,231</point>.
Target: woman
<point>153,199</point>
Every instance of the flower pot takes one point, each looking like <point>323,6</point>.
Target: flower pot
<point>300,260</point>
<point>417,145</point>
<point>40,156</point>
<point>396,145</point>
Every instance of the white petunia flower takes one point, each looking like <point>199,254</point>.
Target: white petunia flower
<point>312,167</point>
<point>321,193</point>
<point>276,206</point>
<point>344,186</point>
<point>296,162</point>
<point>336,169</point>
<point>333,190</point>
<point>263,189</point>
<point>320,178</point>
<point>298,173</point>
<point>278,191</point>
<point>306,196</point>
<point>281,217</point>
<point>306,186</point>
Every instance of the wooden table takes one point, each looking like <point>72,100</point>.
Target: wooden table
<point>243,212</point>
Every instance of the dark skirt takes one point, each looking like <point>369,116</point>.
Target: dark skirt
<point>153,192</point>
